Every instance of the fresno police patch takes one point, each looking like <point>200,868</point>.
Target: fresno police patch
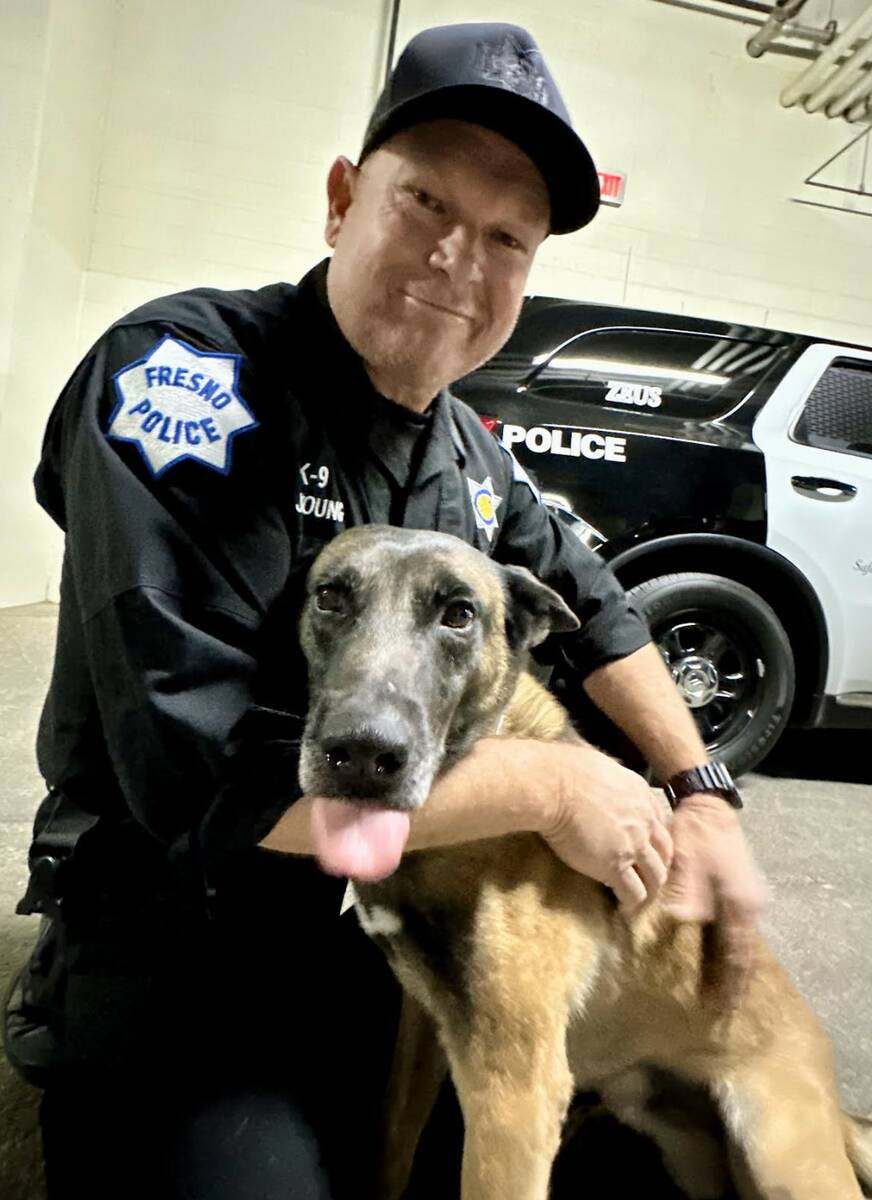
<point>179,403</point>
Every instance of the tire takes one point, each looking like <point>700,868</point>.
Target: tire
<point>730,657</point>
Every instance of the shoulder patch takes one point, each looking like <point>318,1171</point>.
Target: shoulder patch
<point>178,402</point>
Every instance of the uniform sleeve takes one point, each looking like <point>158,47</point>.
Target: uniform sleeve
<point>179,575</point>
<point>533,537</point>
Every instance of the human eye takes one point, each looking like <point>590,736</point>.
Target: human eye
<point>508,241</point>
<point>427,200</point>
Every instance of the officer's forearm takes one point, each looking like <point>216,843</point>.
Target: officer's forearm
<point>499,787</point>
<point>638,694</point>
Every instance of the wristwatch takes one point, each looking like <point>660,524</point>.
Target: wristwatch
<point>710,777</point>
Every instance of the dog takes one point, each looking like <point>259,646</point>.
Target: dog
<point>537,984</point>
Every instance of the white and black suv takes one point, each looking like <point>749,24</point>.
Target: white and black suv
<point>726,473</point>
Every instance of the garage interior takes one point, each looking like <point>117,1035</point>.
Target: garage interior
<point>150,147</point>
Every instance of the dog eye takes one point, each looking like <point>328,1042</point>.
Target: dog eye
<point>329,599</point>
<point>460,614</point>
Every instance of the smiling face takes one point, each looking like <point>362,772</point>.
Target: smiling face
<point>433,239</point>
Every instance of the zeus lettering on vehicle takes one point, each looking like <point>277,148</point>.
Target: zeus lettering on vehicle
<point>642,395</point>
<point>573,443</point>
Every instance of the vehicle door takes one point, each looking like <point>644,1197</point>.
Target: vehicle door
<point>815,432</point>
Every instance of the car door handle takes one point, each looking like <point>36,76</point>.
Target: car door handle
<point>823,489</point>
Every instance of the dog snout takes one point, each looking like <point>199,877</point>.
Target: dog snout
<point>365,759</point>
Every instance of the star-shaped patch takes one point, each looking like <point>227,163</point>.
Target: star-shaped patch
<point>179,402</point>
<point>485,503</point>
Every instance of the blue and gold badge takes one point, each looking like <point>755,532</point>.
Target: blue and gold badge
<point>485,503</point>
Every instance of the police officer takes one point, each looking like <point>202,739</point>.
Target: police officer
<point>215,1029</point>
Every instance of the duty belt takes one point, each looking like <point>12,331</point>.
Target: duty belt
<point>53,846</point>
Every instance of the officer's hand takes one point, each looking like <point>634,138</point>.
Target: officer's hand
<point>714,879</point>
<point>609,825</point>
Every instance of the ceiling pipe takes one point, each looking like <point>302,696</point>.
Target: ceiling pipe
<point>861,111</point>
<point>842,79</point>
<point>784,11</point>
<point>392,39</point>
<point>812,78</point>
<point>749,5</point>
<point>848,99</point>
<point>804,32</point>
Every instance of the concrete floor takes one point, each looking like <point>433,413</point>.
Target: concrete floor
<point>808,815</point>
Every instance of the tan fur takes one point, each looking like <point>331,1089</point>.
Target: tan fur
<point>560,990</point>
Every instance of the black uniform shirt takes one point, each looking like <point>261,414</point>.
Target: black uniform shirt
<point>202,453</point>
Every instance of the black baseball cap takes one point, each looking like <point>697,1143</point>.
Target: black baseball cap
<point>492,75</point>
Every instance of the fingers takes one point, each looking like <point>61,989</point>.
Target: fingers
<point>651,870</point>
<point>729,954</point>
<point>640,881</point>
<point>645,869</point>
<point>688,895</point>
<point>662,842</point>
<point>629,888</point>
<point>739,908</point>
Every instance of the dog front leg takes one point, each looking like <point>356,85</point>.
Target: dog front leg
<point>787,1127</point>
<point>417,1073</point>
<point>514,1086</point>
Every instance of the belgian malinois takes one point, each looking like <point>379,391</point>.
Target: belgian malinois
<point>536,982</point>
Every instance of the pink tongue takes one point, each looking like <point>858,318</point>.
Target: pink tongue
<point>362,843</point>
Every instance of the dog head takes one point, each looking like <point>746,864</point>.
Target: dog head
<point>414,641</point>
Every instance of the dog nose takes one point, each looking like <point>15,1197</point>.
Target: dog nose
<point>366,764</point>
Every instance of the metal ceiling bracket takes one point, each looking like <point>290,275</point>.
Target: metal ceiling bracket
<point>751,12</point>
<point>782,12</point>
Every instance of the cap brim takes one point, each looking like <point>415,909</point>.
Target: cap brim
<point>553,146</point>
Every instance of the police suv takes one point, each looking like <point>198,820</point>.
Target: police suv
<point>726,473</point>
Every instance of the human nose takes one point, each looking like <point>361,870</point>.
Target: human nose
<point>456,254</point>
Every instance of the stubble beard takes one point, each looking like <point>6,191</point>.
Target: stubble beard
<point>409,357</point>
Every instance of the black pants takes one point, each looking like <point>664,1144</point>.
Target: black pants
<point>108,1138</point>
<point>247,1061</point>
<point>228,1143</point>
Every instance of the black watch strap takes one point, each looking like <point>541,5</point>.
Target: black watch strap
<point>711,777</point>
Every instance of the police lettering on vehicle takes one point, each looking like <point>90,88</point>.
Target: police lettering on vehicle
<point>573,443</point>
<point>178,403</point>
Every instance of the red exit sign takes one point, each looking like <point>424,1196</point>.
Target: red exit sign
<point>612,187</point>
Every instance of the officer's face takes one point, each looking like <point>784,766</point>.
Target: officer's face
<point>433,238</point>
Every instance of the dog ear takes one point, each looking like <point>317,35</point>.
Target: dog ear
<point>533,610</point>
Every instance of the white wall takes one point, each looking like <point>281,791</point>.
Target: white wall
<point>153,145</point>
<point>222,124</point>
<point>55,59</point>
<point>23,45</point>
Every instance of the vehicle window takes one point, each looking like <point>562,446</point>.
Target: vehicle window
<point>838,413</point>
<point>680,374</point>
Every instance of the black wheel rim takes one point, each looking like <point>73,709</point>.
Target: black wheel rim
<point>717,670</point>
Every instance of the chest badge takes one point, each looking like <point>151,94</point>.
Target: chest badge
<point>485,503</point>
<point>179,403</point>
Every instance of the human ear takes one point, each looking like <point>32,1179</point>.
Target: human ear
<point>341,183</point>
